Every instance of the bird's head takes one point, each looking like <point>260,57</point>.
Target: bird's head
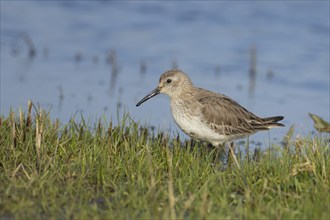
<point>171,83</point>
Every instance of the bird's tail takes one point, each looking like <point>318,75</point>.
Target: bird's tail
<point>272,122</point>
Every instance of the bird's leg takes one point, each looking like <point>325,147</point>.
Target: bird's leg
<point>217,151</point>
<point>232,154</point>
<point>220,152</point>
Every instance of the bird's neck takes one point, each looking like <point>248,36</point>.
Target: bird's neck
<point>184,95</point>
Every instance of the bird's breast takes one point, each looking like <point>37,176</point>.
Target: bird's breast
<point>189,119</point>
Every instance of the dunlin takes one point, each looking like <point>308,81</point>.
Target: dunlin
<point>205,115</point>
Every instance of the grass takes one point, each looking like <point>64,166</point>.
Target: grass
<point>50,170</point>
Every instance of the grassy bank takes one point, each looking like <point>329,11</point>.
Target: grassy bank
<point>74,171</point>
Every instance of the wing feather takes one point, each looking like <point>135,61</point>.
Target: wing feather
<point>228,117</point>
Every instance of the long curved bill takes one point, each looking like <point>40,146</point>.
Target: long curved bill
<point>149,96</point>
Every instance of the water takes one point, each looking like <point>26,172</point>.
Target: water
<point>100,58</point>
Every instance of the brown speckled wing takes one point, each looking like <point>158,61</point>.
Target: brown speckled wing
<point>227,117</point>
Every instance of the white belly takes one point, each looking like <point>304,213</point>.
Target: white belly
<point>193,126</point>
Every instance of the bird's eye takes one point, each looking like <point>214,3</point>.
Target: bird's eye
<point>169,81</point>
